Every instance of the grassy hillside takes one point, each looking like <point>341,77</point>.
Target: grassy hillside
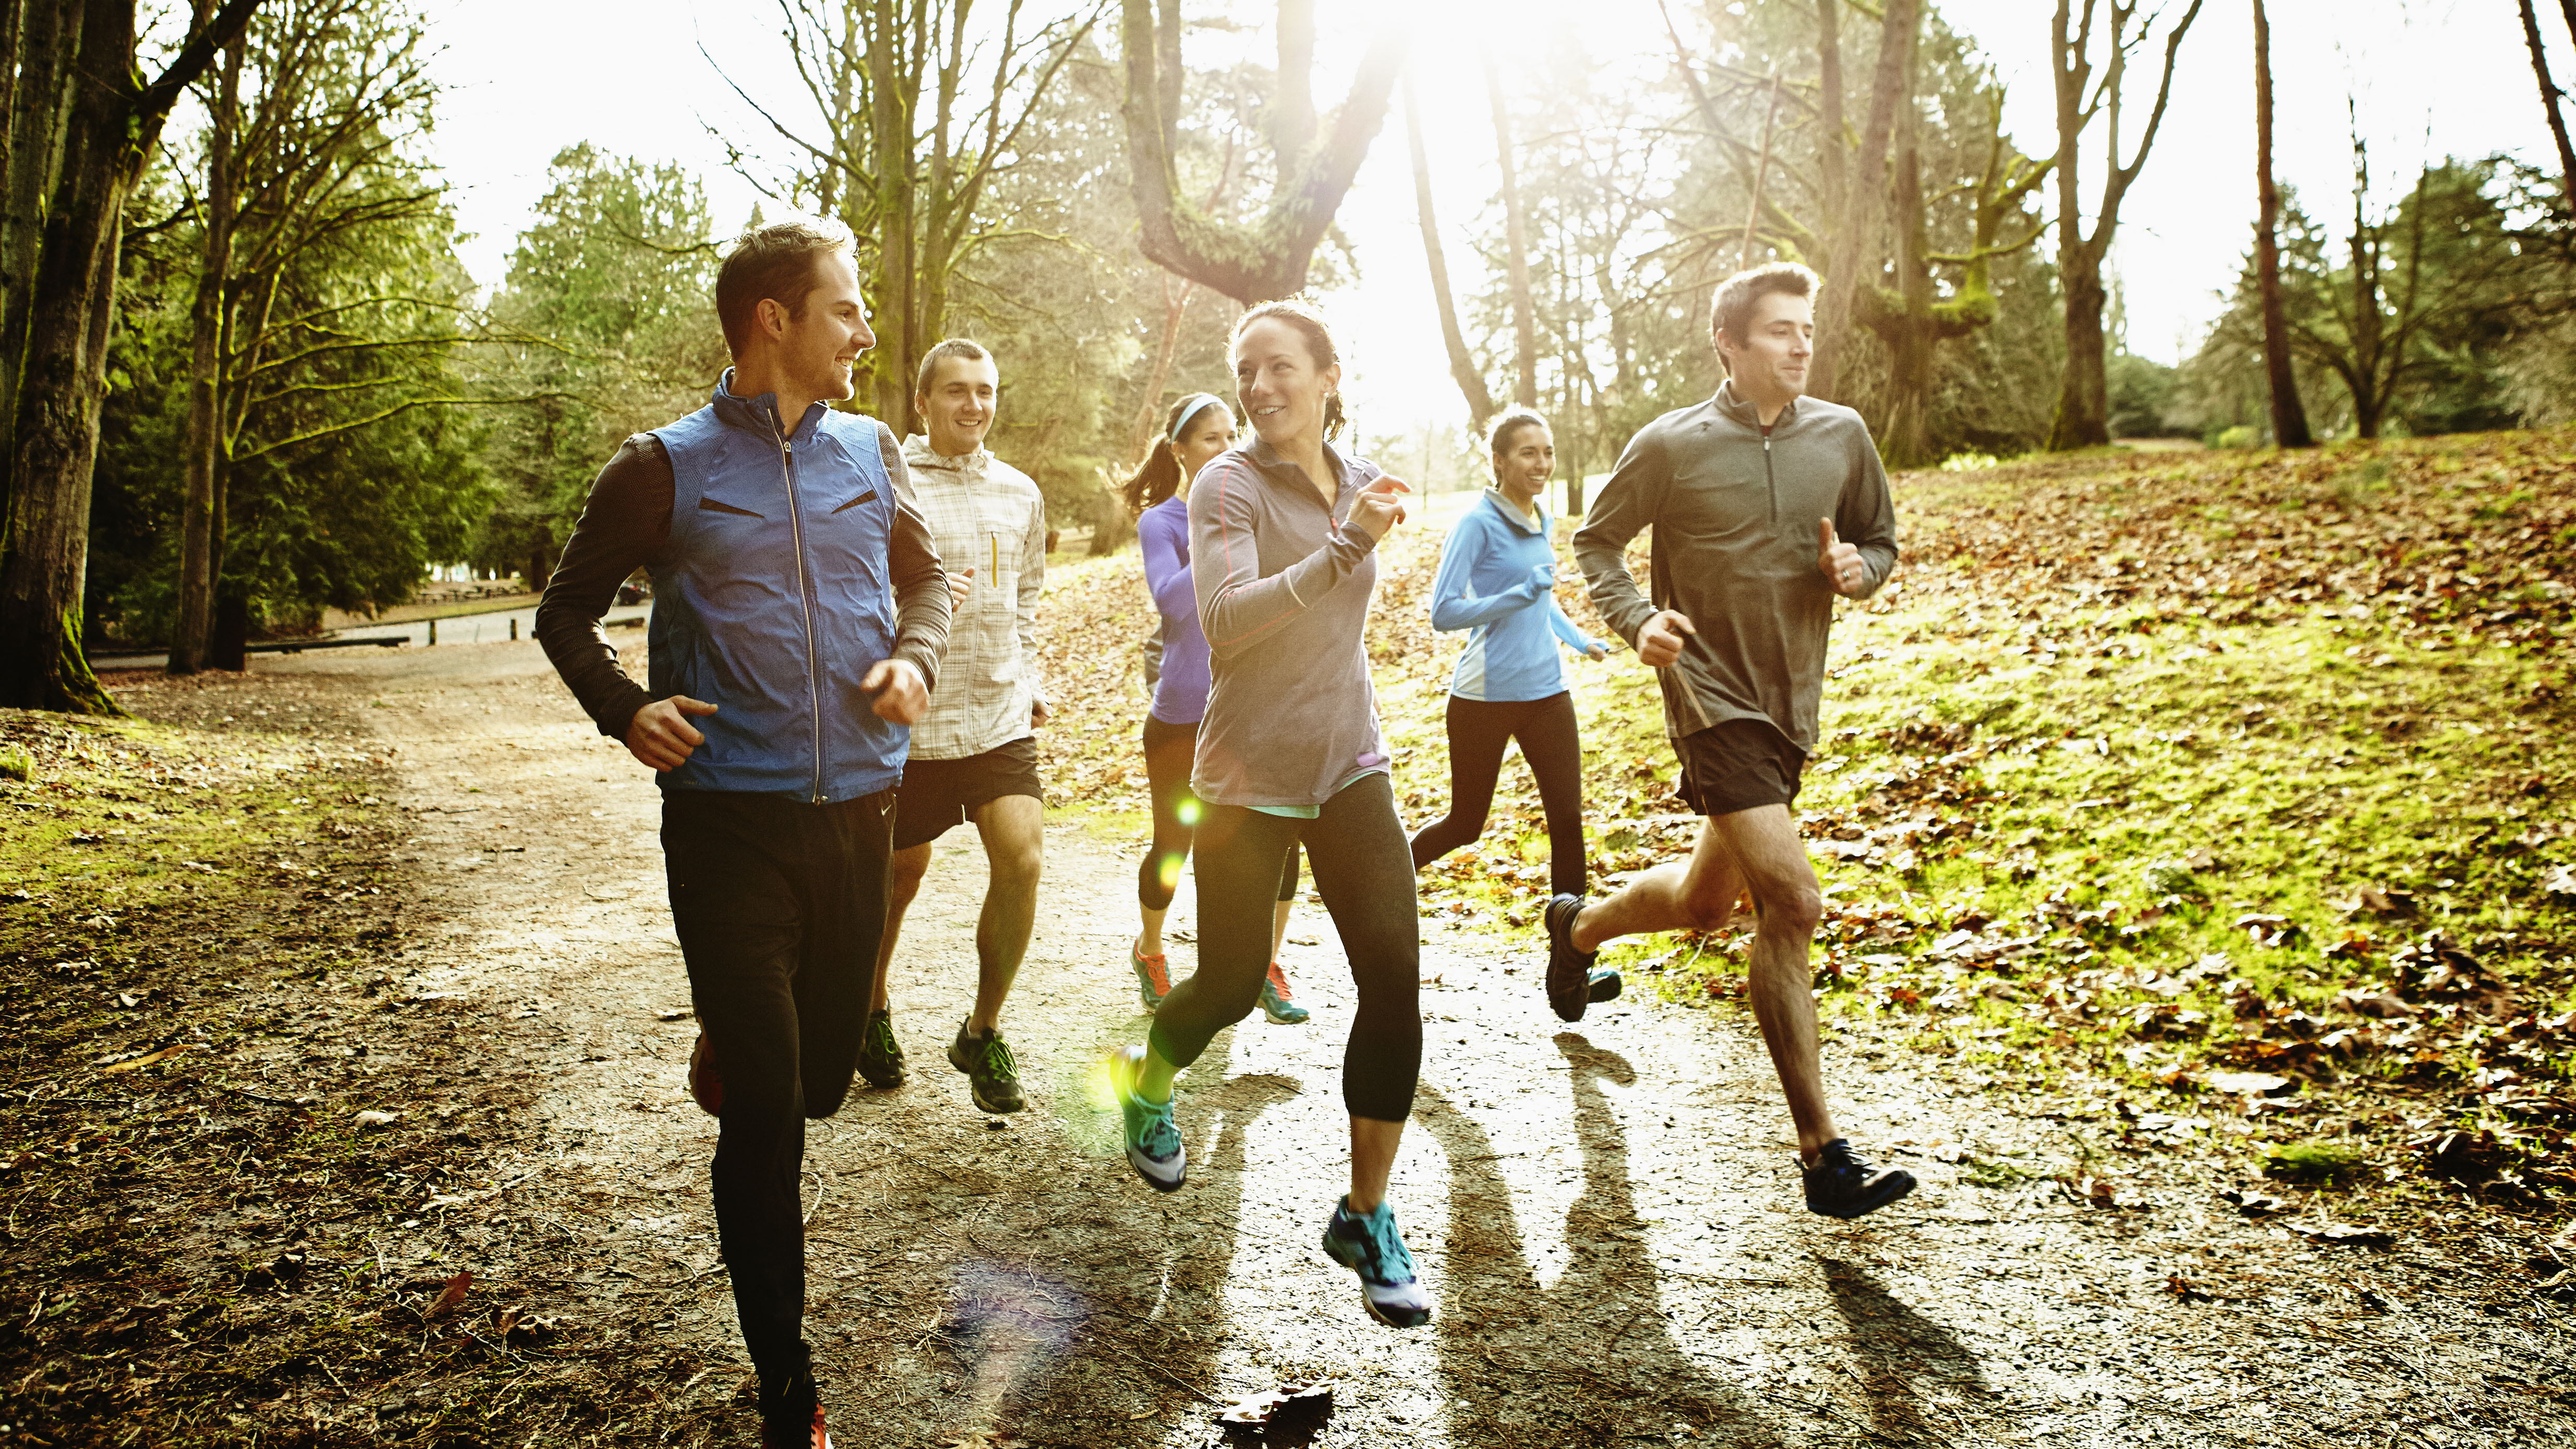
<point>2244,774</point>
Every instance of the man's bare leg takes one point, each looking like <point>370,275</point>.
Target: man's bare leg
<point>1014,832</point>
<point>1754,852</point>
<point>904,870</point>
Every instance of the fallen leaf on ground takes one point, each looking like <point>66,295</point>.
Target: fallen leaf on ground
<point>2345,1234</point>
<point>449,1297</point>
<point>374,1118</point>
<point>149,1058</point>
<point>2255,1204</point>
<point>1271,1405</point>
<point>2248,1084</point>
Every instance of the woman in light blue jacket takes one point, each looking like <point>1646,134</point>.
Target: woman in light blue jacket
<point>1497,580</point>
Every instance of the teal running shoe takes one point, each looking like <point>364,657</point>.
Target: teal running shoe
<point>1605,984</point>
<point>1276,1003</point>
<point>1153,1143</point>
<point>1153,976</point>
<point>1373,1247</point>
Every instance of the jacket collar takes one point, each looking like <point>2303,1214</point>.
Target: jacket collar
<point>760,414</point>
<point>1736,406</point>
<point>1267,459</point>
<point>918,453</point>
<point>1512,514</point>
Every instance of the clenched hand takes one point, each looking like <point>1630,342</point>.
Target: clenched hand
<point>1840,562</point>
<point>660,734</point>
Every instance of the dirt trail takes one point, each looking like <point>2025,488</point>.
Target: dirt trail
<point>1606,1215</point>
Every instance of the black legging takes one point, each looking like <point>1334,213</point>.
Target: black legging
<point>1356,846</point>
<point>1170,751</point>
<point>1545,728</point>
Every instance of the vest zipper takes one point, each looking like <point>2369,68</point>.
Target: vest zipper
<point>804,603</point>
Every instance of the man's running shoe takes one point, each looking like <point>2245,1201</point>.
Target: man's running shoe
<point>1569,972</point>
<point>880,1055</point>
<point>1275,1001</point>
<point>1844,1184</point>
<point>705,1087</point>
<point>988,1065</point>
<point>1153,1143</point>
<point>1372,1246</point>
<point>1153,976</point>
<point>1605,984</point>
<point>791,1416</point>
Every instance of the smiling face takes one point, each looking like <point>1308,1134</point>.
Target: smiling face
<point>816,347</point>
<point>1281,388</point>
<point>957,408</point>
<point>1769,362</point>
<point>1210,432</point>
<point>1524,463</point>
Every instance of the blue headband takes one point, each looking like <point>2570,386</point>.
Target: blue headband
<point>1181,424</point>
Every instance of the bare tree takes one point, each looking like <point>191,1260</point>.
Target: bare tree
<point>1268,257</point>
<point>1462,364</point>
<point>2550,94</point>
<point>2289,416</point>
<point>108,131</point>
<point>1516,247</point>
<point>919,112</point>
<point>2083,395</point>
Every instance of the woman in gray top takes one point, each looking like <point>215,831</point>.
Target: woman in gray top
<point>1283,554</point>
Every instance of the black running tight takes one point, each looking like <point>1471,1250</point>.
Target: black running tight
<point>1170,751</point>
<point>1356,846</point>
<point>1477,731</point>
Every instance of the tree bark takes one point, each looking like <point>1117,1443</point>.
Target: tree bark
<point>1516,245</point>
<point>112,125</point>
<point>47,43</point>
<point>2289,417</point>
<point>203,447</point>
<point>1851,266</point>
<point>2549,94</point>
<point>1462,364</point>
<point>1268,259</point>
<point>890,122</point>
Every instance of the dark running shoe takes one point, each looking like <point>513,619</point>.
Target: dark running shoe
<point>791,1416</point>
<point>988,1065</point>
<point>1844,1184</point>
<point>1569,972</point>
<point>794,1435</point>
<point>880,1055</point>
<point>705,1087</point>
<point>1605,984</point>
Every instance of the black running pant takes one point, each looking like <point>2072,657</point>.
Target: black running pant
<point>1170,751</point>
<point>779,906</point>
<point>1355,846</point>
<point>1477,731</point>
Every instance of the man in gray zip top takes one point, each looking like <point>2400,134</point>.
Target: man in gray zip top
<point>799,611</point>
<point>1767,506</point>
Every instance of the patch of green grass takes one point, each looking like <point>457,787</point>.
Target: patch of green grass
<point>2314,1162</point>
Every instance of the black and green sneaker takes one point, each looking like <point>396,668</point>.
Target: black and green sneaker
<point>987,1063</point>
<point>880,1055</point>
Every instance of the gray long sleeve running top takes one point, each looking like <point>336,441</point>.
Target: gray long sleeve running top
<point>1734,513</point>
<point>1283,590</point>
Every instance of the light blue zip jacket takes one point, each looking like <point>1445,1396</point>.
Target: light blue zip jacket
<point>1488,584</point>
<point>774,600</point>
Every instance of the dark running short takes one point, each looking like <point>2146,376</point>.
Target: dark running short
<point>938,794</point>
<point>1737,764</point>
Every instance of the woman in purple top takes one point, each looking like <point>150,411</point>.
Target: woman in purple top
<point>1199,428</point>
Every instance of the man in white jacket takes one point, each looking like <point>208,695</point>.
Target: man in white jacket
<point>974,755</point>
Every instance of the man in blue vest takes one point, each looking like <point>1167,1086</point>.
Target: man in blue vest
<point>799,614</point>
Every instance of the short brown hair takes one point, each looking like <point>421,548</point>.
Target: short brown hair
<point>1737,294</point>
<point>1319,346</point>
<point>774,263</point>
<point>953,347</point>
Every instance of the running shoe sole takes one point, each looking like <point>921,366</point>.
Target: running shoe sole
<point>1606,984</point>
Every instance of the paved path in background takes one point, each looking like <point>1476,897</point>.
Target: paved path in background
<point>1607,1214</point>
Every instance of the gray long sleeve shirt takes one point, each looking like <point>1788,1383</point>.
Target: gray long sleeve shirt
<point>1734,512</point>
<point>1283,588</point>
